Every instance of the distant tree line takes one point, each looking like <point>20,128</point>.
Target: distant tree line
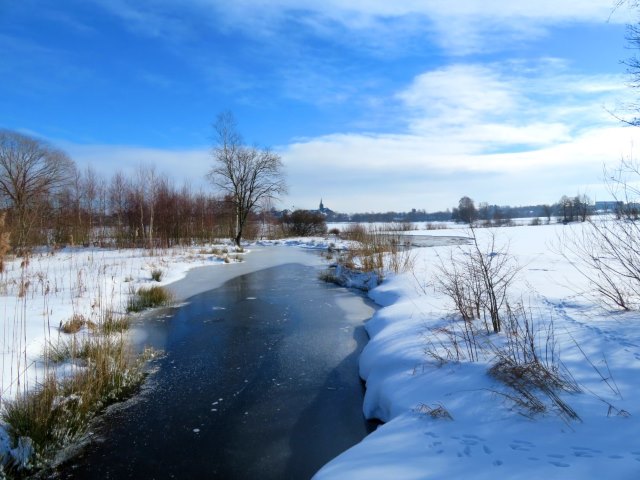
<point>566,209</point>
<point>46,199</point>
<point>391,216</point>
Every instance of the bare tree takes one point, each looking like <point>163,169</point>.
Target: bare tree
<point>247,175</point>
<point>548,211</point>
<point>30,170</point>
<point>146,191</point>
<point>89,194</point>
<point>118,204</point>
<point>606,251</point>
<point>467,212</point>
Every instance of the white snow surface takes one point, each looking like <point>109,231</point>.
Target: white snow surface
<point>487,437</point>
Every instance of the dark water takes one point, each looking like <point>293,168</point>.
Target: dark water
<point>260,381</point>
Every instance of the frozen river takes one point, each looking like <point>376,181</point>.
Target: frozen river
<point>260,379</point>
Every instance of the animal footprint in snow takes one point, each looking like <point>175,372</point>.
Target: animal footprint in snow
<point>518,447</point>
<point>584,452</point>
<point>521,445</point>
<point>468,442</point>
<point>560,464</point>
<point>487,450</point>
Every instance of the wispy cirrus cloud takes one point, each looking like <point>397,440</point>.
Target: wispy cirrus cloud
<point>460,27</point>
<point>298,48</point>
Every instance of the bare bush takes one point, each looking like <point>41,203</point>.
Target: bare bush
<point>456,341</point>
<point>529,364</point>
<point>606,250</point>
<point>477,278</point>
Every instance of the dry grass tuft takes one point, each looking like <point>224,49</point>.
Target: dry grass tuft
<point>74,324</point>
<point>151,297</point>
<point>114,323</point>
<point>59,410</point>
<point>438,411</point>
<point>376,249</point>
<point>156,275</point>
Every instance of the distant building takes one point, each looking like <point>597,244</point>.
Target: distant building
<point>324,210</point>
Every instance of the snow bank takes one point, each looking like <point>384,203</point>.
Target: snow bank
<point>486,436</point>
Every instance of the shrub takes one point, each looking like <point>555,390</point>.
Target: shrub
<point>303,223</point>
<point>328,276</point>
<point>435,226</point>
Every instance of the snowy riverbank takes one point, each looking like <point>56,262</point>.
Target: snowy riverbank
<point>486,436</point>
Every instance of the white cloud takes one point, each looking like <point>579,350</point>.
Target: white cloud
<point>378,173</point>
<point>459,94</point>
<point>460,26</point>
<point>498,104</point>
<point>188,165</point>
<point>484,131</point>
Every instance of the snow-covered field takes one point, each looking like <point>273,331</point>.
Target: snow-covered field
<point>45,290</point>
<point>486,436</point>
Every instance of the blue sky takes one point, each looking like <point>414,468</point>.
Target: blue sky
<point>372,105</point>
